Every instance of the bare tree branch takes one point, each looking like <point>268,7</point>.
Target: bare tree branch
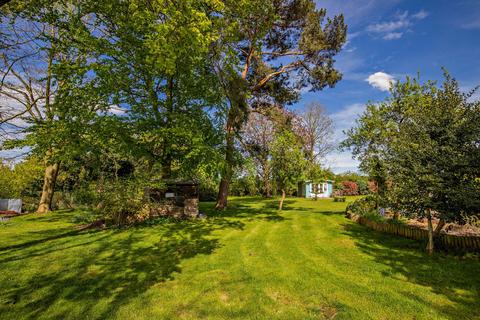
<point>269,76</point>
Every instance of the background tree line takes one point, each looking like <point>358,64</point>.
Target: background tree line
<point>111,97</point>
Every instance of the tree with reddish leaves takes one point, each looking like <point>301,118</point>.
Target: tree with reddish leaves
<point>350,188</point>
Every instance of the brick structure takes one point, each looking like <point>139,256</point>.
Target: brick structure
<point>178,199</point>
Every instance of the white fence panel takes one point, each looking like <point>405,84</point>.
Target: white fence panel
<point>11,205</point>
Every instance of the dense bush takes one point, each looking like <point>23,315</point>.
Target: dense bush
<point>364,206</point>
<point>125,201</point>
<point>244,186</point>
<point>348,188</point>
<point>208,189</point>
<point>362,187</point>
<point>24,180</point>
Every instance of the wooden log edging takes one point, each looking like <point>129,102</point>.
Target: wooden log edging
<point>447,242</point>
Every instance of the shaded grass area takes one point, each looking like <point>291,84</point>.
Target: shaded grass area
<point>249,262</point>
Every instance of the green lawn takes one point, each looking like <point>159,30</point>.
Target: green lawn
<point>249,262</point>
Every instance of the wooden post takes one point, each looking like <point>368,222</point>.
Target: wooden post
<point>430,234</point>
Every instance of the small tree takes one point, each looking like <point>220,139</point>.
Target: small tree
<point>288,162</point>
<point>425,142</point>
<point>50,95</point>
<point>316,131</point>
<point>257,137</point>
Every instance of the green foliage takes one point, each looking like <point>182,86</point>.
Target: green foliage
<point>246,182</point>
<point>128,86</point>
<point>120,200</point>
<point>343,183</point>
<point>23,181</point>
<point>288,162</point>
<point>266,52</point>
<point>362,187</point>
<point>365,206</point>
<point>423,141</point>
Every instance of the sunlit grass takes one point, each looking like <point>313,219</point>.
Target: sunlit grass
<point>249,262</point>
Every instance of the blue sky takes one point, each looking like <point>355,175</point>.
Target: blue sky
<point>390,39</point>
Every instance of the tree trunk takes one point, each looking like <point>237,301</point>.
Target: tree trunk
<point>440,225</point>
<point>167,168</point>
<point>267,189</point>
<point>49,181</point>
<point>280,206</point>
<point>222,195</point>
<point>228,170</point>
<point>169,104</point>
<point>430,235</point>
<point>238,102</point>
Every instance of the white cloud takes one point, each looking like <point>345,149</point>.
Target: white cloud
<point>469,87</point>
<point>395,29</point>
<point>388,26</point>
<point>350,37</point>
<point>420,15</point>
<point>14,156</point>
<point>116,110</point>
<point>393,36</point>
<point>381,80</point>
<point>473,24</point>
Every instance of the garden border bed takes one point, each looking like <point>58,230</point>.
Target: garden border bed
<point>444,241</point>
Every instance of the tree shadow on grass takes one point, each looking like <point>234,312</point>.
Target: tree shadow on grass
<point>41,237</point>
<point>318,211</point>
<point>110,267</point>
<point>456,278</point>
<point>100,271</point>
<point>248,210</point>
<point>59,216</point>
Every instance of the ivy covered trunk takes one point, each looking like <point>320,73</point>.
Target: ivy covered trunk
<point>228,169</point>
<point>49,181</point>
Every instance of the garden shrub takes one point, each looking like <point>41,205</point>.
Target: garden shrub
<point>207,188</point>
<point>124,202</point>
<point>339,199</point>
<point>62,200</point>
<point>362,187</point>
<point>364,206</point>
<point>350,188</point>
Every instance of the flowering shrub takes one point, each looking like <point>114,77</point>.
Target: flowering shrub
<point>350,188</point>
